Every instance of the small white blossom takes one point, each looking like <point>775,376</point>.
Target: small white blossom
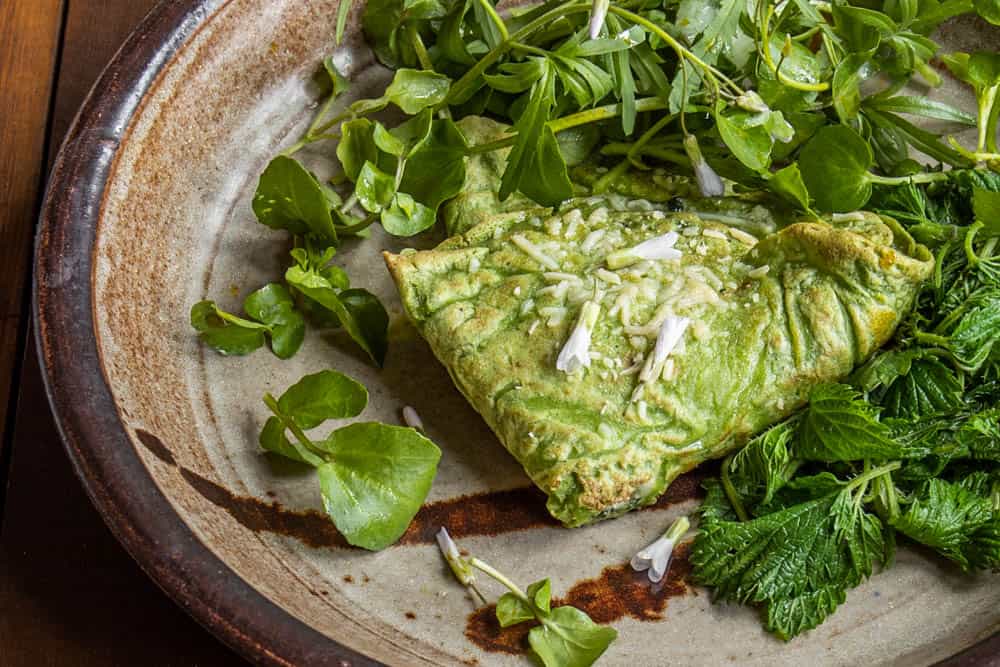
<point>655,558</point>
<point>412,419</point>
<point>657,248</point>
<point>709,182</point>
<point>667,338</point>
<point>458,565</point>
<point>576,352</point>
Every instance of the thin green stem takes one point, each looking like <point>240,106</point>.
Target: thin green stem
<point>497,21</point>
<point>418,47</point>
<point>304,446</point>
<point>931,339</point>
<point>765,49</point>
<point>490,571</point>
<point>731,493</point>
<point>333,121</point>
<point>925,177</point>
<point>970,236</point>
<point>359,227</point>
<point>648,135</point>
<point>866,477</point>
<point>528,48</point>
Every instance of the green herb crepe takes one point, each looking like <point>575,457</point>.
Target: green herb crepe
<point>768,316</point>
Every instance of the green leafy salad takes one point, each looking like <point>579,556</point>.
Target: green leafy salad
<point>764,123</point>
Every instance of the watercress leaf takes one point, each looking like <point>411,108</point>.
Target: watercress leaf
<point>749,142</point>
<point>273,439</point>
<point>435,170</point>
<point>415,90</point>
<point>273,305</point>
<point>569,638</point>
<point>512,610</point>
<point>413,133</point>
<point>356,146</point>
<point>920,106</point>
<point>374,188</point>
<point>227,336</point>
<point>540,594</point>
<point>529,126</point>
<point>788,184</point>
<point>546,178</point>
<point>322,396</point>
<point>834,166</point>
<point>376,480</point>
<point>366,321</point>
<point>387,142</point>
<point>988,9</point>
<point>840,425</point>
<point>406,216</point>
<point>289,197</point>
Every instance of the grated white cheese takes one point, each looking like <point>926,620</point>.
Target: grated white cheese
<point>527,306</point>
<point>592,239</point>
<point>608,276</point>
<point>560,276</point>
<point>534,252</point>
<point>759,272</point>
<point>714,234</point>
<point>598,215</point>
<point>690,231</point>
<point>656,248</point>
<point>474,265</point>
<point>658,215</point>
<point>412,419</point>
<point>534,325</point>
<point>517,291</point>
<point>742,236</point>
<point>554,226</point>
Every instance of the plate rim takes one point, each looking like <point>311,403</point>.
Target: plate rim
<point>103,456</point>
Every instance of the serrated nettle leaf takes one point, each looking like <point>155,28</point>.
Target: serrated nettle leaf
<point>273,439</point>
<point>365,321</point>
<point>512,610</point>
<point>322,396</point>
<point>840,425</point>
<point>376,480</point>
<point>765,463</point>
<point>406,216</point>
<point>289,197</point>
<point>927,387</point>
<point>435,170</point>
<point>883,369</point>
<point>973,329</point>
<point>568,637</point>
<point>375,188</point>
<point>415,90</point>
<point>834,166</point>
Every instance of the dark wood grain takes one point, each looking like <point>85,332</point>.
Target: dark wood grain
<point>28,49</point>
<point>69,593</point>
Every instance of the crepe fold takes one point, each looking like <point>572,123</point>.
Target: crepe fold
<point>769,313</point>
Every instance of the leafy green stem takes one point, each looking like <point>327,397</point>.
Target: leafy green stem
<point>731,492</point>
<point>923,177</point>
<point>304,446</point>
<point>869,475</point>
<point>495,18</point>
<point>360,226</point>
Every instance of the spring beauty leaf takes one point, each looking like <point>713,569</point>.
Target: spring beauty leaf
<point>546,178</point>
<point>272,305</point>
<point>376,478</point>
<point>375,188</point>
<point>406,216</point>
<point>834,166</point>
<point>289,197</point>
<point>322,396</point>
<point>840,425</point>
<point>225,333</point>
<point>787,183</point>
<point>748,140</point>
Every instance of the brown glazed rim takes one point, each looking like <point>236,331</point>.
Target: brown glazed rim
<point>102,454</point>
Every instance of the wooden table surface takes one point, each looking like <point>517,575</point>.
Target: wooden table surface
<point>69,593</point>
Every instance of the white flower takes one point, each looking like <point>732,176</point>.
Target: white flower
<point>598,12</point>
<point>659,247</point>
<point>655,558</point>
<point>461,568</point>
<point>667,338</point>
<point>576,352</point>
<point>709,182</point>
<point>412,419</point>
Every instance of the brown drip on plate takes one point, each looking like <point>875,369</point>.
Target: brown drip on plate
<point>618,592</point>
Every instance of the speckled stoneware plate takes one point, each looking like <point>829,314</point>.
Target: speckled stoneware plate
<point>148,211</point>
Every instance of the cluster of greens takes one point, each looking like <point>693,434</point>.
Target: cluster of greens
<point>373,477</point>
<point>563,636</point>
<point>911,447</point>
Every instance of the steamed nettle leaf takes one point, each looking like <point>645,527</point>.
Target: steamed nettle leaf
<point>766,463</point>
<point>970,332</point>
<point>927,387</point>
<point>840,425</point>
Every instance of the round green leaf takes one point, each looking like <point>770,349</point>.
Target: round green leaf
<point>834,166</point>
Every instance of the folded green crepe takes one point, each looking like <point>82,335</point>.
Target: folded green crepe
<point>701,333</point>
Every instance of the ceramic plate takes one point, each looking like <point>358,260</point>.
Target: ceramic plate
<point>148,211</point>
